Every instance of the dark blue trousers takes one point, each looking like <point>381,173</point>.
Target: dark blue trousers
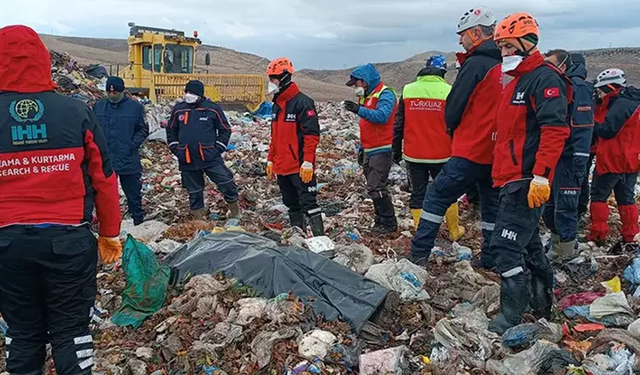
<point>457,177</point>
<point>219,174</point>
<point>132,187</point>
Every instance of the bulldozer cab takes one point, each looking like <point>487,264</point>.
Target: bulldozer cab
<point>162,61</point>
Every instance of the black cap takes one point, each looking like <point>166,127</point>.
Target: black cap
<point>115,84</point>
<point>352,81</point>
<point>577,58</point>
<point>195,87</point>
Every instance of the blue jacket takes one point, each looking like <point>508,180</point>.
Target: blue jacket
<point>198,134</point>
<point>125,130</point>
<point>387,100</point>
<point>581,111</point>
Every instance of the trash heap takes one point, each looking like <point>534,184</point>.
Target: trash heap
<point>257,297</point>
<point>82,82</point>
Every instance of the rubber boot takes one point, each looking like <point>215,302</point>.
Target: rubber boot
<point>415,213</point>
<point>297,220</point>
<point>317,225</point>
<point>514,299</point>
<point>388,222</point>
<point>455,231</point>
<point>563,252</point>
<point>542,293</point>
<point>200,214</point>
<point>629,218</point>
<point>234,210</point>
<point>551,247</point>
<point>599,226</point>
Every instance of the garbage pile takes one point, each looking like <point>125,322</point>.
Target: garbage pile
<point>76,80</point>
<point>257,297</point>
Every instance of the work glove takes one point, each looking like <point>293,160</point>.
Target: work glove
<point>109,248</point>
<point>306,172</point>
<point>361,157</point>
<point>351,106</point>
<point>269,170</point>
<point>539,192</point>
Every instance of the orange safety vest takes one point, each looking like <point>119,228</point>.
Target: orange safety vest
<point>375,137</point>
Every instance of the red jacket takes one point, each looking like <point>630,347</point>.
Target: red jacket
<point>472,104</point>
<point>531,122</point>
<point>295,131</point>
<point>619,134</point>
<point>54,162</point>
<point>375,136</point>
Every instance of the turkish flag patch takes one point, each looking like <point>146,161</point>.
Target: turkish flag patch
<point>311,113</point>
<point>552,92</point>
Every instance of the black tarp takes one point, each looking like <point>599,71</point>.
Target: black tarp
<point>271,270</point>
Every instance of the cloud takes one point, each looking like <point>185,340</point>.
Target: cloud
<point>330,33</point>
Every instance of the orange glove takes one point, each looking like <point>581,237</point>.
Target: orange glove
<point>539,192</point>
<point>306,172</point>
<point>269,170</point>
<point>109,248</point>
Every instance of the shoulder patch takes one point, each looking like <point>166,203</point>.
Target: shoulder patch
<point>311,113</point>
<point>551,92</point>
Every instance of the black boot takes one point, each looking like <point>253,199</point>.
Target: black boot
<point>297,220</point>
<point>316,224</point>
<point>514,300</point>
<point>387,215</point>
<point>542,293</point>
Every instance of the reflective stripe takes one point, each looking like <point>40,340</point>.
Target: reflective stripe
<point>83,340</point>
<point>377,148</point>
<point>315,210</point>
<point>7,341</point>
<point>6,355</point>
<point>514,271</point>
<point>425,161</point>
<point>431,217</point>
<point>84,353</point>
<point>487,226</point>
<point>173,143</point>
<point>586,155</point>
<point>84,364</point>
<point>221,144</point>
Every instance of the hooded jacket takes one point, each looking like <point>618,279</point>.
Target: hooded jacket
<point>473,102</point>
<point>377,111</point>
<point>54,162</point>
<point>619,135</point>
<point>581,111</point>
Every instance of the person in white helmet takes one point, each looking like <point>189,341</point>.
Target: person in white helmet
<point>469,117</point>
<point>617,130</point>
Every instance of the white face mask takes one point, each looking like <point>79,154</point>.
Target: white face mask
<point>190,98</point>
<point>359,91</point>
<point>510,63</point>
<point>272,88</point>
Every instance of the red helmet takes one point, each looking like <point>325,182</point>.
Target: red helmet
<point>279,66</point>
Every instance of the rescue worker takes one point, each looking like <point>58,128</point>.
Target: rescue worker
<point>54,168</point>
<point>198,134</point>
<point>420,124</point>
<point>585,193</point>
<point>376,108</point>
<point>561,211</point>
<point>532,130</point>
<point>617,157</point>
<point>125,129</point>
<point>469,115</point>
<point>295,134</point>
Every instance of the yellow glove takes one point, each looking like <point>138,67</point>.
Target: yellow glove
<point>109,248</point>
<point>539,192</point>
<point>269,170</point>
<point>306,172</point>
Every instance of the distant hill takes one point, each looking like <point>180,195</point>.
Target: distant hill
<point>322,85</point>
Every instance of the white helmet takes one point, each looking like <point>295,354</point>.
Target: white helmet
<point>480,16</point>
<point>610,76</point>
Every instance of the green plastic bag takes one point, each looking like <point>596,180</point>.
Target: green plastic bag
<point>147,283</point>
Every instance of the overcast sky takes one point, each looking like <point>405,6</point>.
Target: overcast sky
<point>330,33</point>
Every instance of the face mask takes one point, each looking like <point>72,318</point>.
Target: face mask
<point>272,88</point>
<point>191,98</point>
<point>359,91</point>
<point>115,97</point>
<point>510,63</point>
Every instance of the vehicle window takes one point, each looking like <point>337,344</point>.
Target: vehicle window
<point>157,58</point>
<point>178,59</point>
<point>146,57</point>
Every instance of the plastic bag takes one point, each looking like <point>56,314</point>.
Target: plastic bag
<point>614,303</point>
<point>527,362</point>
<point>149,231</point>
<point>316,343</point>
<point>403,276</point>
<point>356,257</point>
<point>527,333</point>
<point>146,288</point>
<point>632,272</point>
<point>388,361</point>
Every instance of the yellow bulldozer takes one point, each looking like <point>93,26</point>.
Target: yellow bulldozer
<point>162,61</point>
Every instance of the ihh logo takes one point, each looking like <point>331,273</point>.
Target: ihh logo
<point>28,134</point>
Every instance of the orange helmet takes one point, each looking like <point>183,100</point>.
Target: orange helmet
<point>517,25</point>
<point>279,66</point>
